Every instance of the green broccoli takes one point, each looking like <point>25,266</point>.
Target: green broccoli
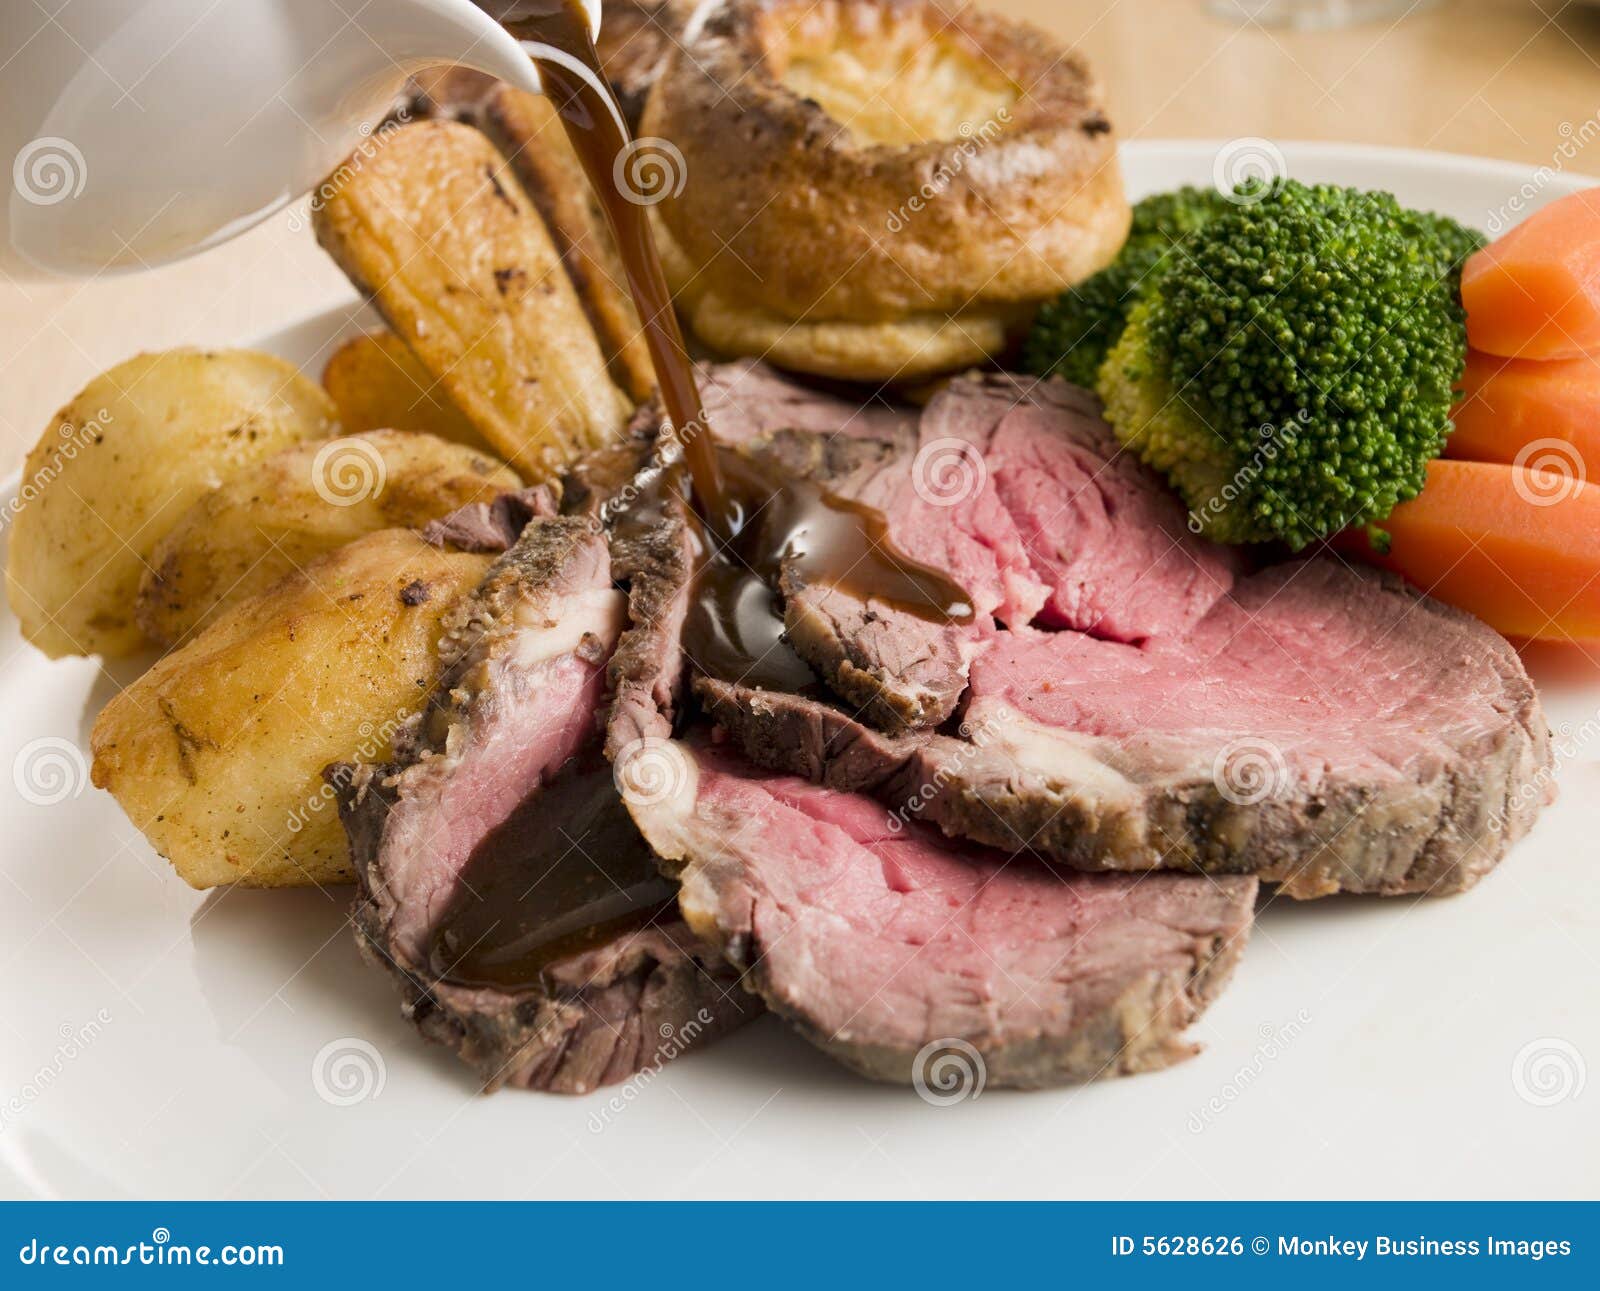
<point>1455,241</point>
<point>1072,333</point>
<point>1292,371</point>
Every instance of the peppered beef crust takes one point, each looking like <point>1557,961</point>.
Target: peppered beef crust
<point>652,551</point>
<point>596,1016</point>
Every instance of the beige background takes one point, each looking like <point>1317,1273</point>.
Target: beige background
<point>1502,78</point>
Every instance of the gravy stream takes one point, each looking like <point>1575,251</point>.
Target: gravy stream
<point>568,870</point>
<point>594,124</point>
<point>839,543</point>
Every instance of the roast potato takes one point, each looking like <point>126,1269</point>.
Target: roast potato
<point>435,228</point>
<point>120,463</point>
<point>216,753</point>
<point>527,129</point>
<point>247,533</point>
<point>377,383</point>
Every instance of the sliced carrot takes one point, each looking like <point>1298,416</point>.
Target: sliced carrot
<point>1517,546</point>
<point>1528,412</point>
<point>1535,292</point>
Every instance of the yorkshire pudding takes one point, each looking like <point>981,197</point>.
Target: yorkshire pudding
<point>878,188</point>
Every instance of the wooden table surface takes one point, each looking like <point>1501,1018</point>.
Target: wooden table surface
<point>1518,79</point>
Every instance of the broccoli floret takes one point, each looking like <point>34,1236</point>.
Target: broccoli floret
<point>1454,240</point>
<point>1292,371</point>
<point>1168,433</point>
<point>1071,334</point>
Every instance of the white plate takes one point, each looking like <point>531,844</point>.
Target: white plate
<point>155,1041</point>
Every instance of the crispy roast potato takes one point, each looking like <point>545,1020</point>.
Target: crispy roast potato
<point>244,535</point>
<point>435,228</point>
<point>216,753</point>
<point>528,130</point>
<point>120,463</point>
<point>378,384</point>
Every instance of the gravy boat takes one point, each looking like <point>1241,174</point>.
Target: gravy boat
<point>142,131</point>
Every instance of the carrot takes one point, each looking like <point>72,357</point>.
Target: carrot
<point>1535,292</point>
<point>1517,546</point>
<point>1528,412</point>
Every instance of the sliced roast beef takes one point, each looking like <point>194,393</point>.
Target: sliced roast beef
<point>491,526</point>
<point>804,433</point>
<point>929,488</point>
<point>1050,978</point>
<point>885,943</point>
<point>1322,727</point>
<point>1401,744</point>
<point>1016,489</point>
<point>899,669</point>
<point>498,817</point>
<point>1102,531</point>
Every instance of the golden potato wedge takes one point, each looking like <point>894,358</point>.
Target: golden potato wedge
<point>249,532</point>
<point>526,128</point>
<point>376,383</point>
<point>216,753</point>
<point>120,463</point>
<point>435,228</point>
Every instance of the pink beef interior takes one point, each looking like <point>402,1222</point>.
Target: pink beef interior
<point>746,399</point>
<point>532,719</point>
<point>1044,518</point>
<point>975,542</point>
<point>1102,534</point>
<point>891,936</point>
<point>1309,657</point>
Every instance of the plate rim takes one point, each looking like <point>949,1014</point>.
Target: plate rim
<point>1382,151</point>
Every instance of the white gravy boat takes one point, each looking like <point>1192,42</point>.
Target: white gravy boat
<point>142,131</point>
